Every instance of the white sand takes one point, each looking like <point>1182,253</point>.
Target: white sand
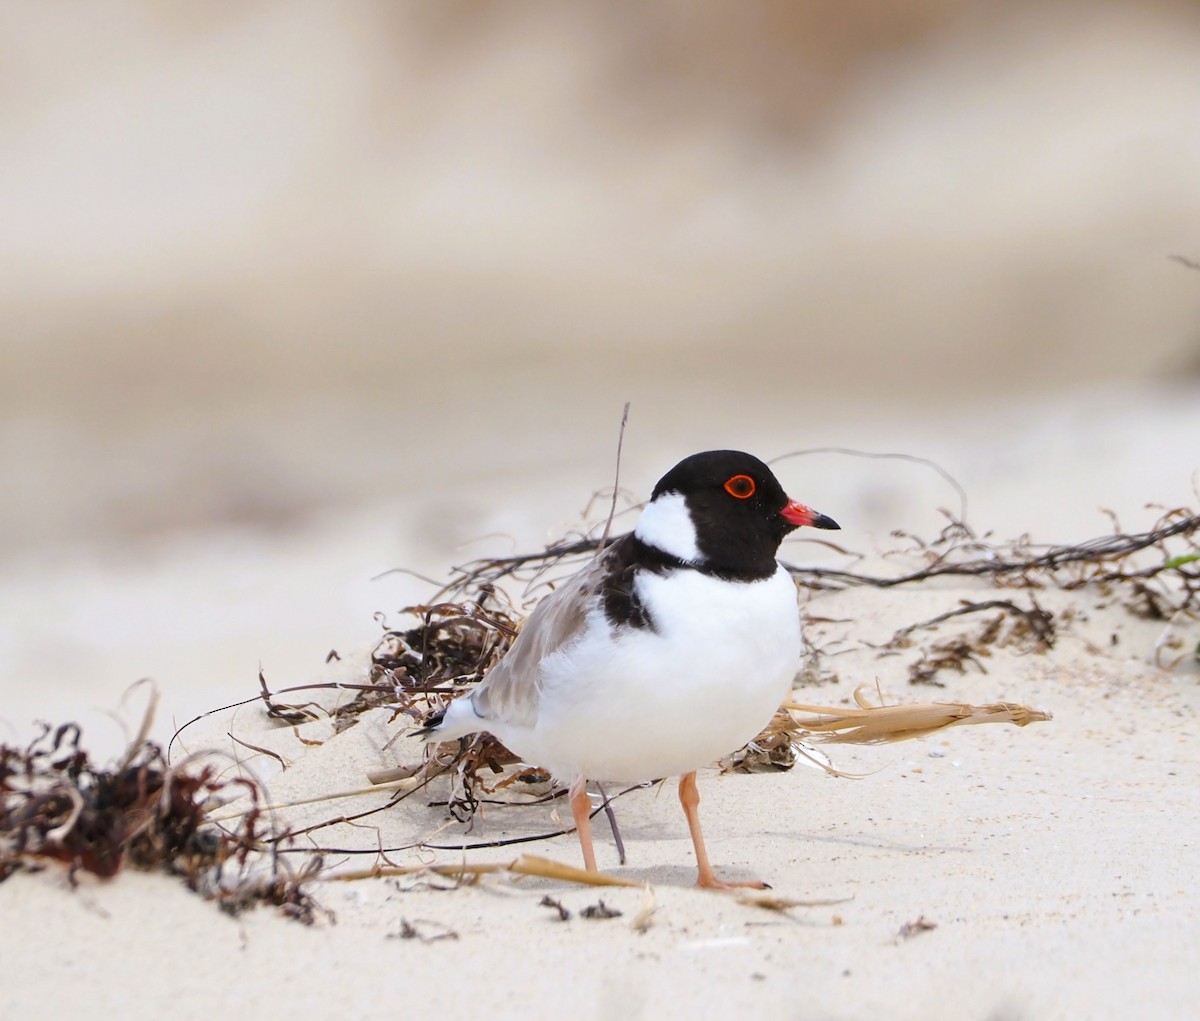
<point>1057,862</point>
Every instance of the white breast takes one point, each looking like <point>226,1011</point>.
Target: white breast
<point>637,704</point>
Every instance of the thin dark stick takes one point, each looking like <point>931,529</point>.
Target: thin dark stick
<point>480,846</point>
<point>612,510</point>
<point>1109,547</point>
<point>850,452</point>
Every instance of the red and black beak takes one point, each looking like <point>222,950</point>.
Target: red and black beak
<point>797,514</point>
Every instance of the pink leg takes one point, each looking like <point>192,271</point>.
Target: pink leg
<point>581,809</point>
<point>689,797</point>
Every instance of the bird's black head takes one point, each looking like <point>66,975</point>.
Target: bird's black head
<point>737,509</point>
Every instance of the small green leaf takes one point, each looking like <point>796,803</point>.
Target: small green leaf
<point>1185,558</point>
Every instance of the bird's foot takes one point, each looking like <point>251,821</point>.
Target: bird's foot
<point>709,881</point>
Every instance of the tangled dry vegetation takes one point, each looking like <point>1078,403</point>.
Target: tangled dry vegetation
<point>146,813</point>
<point>56,805</point>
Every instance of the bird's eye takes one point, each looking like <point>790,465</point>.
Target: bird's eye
<point>740,486</point>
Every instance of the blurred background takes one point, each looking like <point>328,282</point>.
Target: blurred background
<point>293,293</point>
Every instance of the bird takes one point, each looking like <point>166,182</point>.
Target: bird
<point>672,647</point>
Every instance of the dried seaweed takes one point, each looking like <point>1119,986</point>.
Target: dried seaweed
<point>599,910</point>
<point>1034,630</point>
<point>556,906</point>
<point>56,805</point>
<point>1166,579</point>
<point>910,929</point>
<point>423,930</point>
<point>1157,571</point>
<point>772,751</point>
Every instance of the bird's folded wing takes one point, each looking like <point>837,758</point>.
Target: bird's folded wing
<point>510,692</point>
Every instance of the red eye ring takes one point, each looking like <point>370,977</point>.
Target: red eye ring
<point>741,487</point>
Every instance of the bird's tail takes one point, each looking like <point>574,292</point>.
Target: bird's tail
<point>429,732</point>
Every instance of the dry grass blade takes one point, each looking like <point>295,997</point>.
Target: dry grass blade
<point>645,912</point>
<point>526,865</point>
<point>880,724</point>
<point>773,902</point>
<point>533,865</point>
<point>224,813</point>
<point>139,742</point>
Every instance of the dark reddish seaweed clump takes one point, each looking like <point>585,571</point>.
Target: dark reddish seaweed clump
<point>57,806</point>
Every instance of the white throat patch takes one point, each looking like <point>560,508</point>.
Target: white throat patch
<point>666,524</point>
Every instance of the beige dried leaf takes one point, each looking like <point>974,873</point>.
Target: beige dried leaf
<point>880,724</point>
<point>526,865</point>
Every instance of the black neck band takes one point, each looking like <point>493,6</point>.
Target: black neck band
<point>660,561</point>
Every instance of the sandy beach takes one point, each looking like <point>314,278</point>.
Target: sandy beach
<point>303,309</point>
<point>1052,864</point>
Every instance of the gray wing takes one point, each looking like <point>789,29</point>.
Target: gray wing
<point>512,690</point>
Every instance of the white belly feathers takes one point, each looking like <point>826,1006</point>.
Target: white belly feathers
<point>662,702</point>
